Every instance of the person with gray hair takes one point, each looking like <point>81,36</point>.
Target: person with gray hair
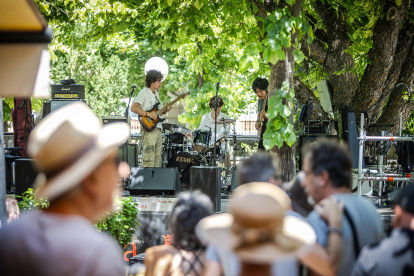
<point>185,254</point>
<point>79,176</point>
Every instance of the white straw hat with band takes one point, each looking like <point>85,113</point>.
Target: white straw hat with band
<point>256,228</point>
<point>68,145</point>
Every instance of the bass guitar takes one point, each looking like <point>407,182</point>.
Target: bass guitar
<point>149,124</point>
<point>259,122</point>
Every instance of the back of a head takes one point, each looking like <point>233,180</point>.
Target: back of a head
<point>405,199</point>
<point>331,157</point>
<point>190,208</point>
<point>258,168</point>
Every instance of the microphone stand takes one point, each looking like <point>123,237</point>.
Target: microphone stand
<point>215,125</point>
<point>130,97</point>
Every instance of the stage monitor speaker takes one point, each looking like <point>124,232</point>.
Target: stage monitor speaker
<point>154,181</point>
<point>25,174</point>
<point>235,179</point>
<point>208,181</point>
<point>350,134</point>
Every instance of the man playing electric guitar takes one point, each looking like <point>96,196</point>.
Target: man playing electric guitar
<point>145,100</point>
<point>259,87</point>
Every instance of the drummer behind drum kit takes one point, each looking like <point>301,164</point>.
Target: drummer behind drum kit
<point>183,152</point>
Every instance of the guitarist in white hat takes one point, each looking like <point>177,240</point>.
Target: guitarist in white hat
<point>145,100</point>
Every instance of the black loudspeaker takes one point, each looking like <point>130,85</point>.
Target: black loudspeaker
<point>350,134</point>
<point>235,179</point>
<point>154,181</point>
<point>207,180</point>
<point>305,141</point>
<point>25,173</point>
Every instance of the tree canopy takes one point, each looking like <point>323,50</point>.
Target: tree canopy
<point>363,49</point>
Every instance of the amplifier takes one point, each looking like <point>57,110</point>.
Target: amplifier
<point>71,91</point>
<point>56,104</point>
<point>305,142</point>
<point>113,119</point>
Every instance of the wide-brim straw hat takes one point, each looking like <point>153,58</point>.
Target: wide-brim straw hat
<point>256,228</point>
<point>68,145</point>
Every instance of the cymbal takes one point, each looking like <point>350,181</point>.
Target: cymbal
<point>224,121</point>
<point>175,128</point>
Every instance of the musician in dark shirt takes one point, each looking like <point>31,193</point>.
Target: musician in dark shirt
<point>260,88</point>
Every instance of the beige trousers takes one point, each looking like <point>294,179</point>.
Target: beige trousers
<point>152,148</point>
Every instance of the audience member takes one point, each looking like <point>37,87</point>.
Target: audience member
<point>394,255</point>
<point>185,254</point>
<point>298,195</point>
<point>327,167</point>
<point>12,210</point>
<point>79,176</point>
<point>260,167</point>
<point>257,231</point>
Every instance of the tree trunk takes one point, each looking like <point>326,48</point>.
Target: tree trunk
<point>396,105</point>
<point>283,71</point>
<point>336,59</point>
<point>381,55</point>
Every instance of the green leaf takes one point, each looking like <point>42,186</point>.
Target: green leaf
<point>169,2</point>
<point>244,64</point>
<point>274,57</point>
<point>398,2</point>
<point>198,4</point>
<point>280,54</point>
<point>278,139</point>
<point>286,111</point>
<point>255,9</point>
<point>299,56</point>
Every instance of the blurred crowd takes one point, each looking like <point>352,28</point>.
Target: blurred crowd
<point>312,225</point>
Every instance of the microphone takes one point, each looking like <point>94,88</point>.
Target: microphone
<point>134,86</point>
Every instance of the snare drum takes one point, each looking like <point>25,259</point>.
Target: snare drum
<point>201,139</point>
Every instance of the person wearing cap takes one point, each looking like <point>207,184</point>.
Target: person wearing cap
<point>395,254</point>
<point>259,87</point>
<point>79,173</point>
<point>258,236</point>
<point>146,99</point>
<point>327,167</point>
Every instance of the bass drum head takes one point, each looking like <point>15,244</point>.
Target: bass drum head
<point>181,160</point>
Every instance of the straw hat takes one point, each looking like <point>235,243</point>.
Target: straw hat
<point>68,145</point>
<point>257,228</point>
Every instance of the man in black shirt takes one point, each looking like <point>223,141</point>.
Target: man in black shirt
<point>259,87</point>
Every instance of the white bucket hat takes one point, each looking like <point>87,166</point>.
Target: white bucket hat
<point>256,228</point>
<point>68,145</point>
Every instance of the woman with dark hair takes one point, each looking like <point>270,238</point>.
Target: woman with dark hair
<point>185,254</point>
<point>259,87</point>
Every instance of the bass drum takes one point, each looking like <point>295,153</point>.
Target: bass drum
<point>181,160</point>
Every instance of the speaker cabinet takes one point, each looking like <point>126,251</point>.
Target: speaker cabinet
<point>207,180</point>
<point>25,173</point>
<point>350,134</point>
<point>129,154</point>
<point>235,179</point>
<point>305,142</point>
<point>154,181</point>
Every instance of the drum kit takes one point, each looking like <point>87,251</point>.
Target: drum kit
<point>182,151</point>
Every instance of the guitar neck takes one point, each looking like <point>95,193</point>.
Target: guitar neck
<point>162,110</point>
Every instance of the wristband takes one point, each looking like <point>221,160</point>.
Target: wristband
<point>335,230</point>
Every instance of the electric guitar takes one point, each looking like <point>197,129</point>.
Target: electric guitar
<point>149,124</point>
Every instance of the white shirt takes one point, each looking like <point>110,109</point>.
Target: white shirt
<point>207,122</point>
<point>147,99</point>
